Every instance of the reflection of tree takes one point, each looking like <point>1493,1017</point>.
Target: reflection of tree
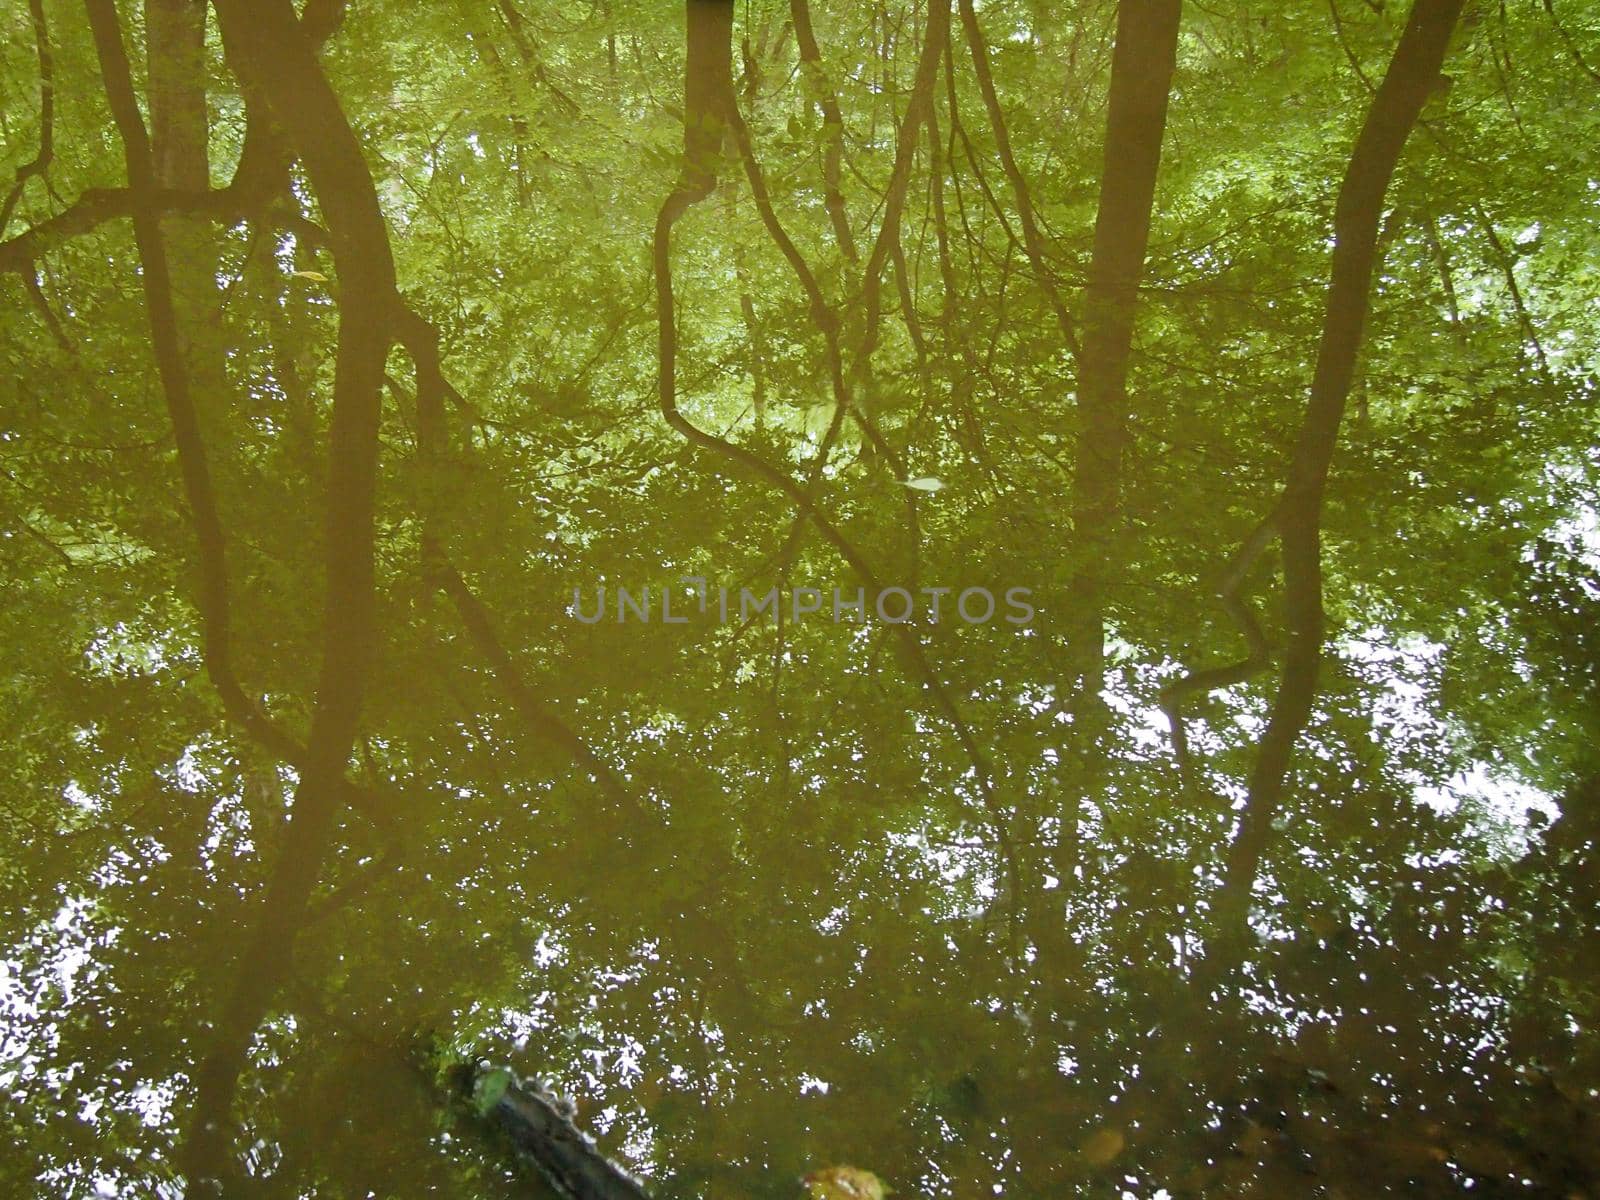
<point>768,898</point>
<point>1413,74</point>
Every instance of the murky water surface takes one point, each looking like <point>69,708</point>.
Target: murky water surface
<point>982,600</point>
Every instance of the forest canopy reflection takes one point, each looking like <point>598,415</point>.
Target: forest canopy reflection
<point>346,344</point>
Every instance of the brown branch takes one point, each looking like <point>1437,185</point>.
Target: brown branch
<point>747,312</point>
<point>908,305</point>
<point>321,19</point>
<point>816,78</point>
<point>519,123</point>
<point>953,334</point>
<point>58,552</point>
<point>918,110</point>
<point>517,24</point>
<point>535,712</point>
<point>267,47</point>
<point>1396,106</point>
<point>356,888</point>
<point>143,204</point>
<point>958,132</point>
<point>95,206</point>
<point>92,209</point>
<point>421,341</point>
<point>1508,271</point>
<point>30,282</point>
<point>707,73</point>
<point>1142,63</point>
<point>40,163</point>
<point>1572,46</point>
<point>1033,240</point>
<point>722,107</point>
<point>1259,654</point>
<point>1441,261</point>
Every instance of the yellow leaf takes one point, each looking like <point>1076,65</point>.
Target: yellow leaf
<point>1103,1145</point>
<point>845,1183</point>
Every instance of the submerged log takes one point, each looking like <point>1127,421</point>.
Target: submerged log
<point>540,1125</point>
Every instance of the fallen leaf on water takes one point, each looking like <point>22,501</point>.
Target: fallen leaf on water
<point>1103,1145</point>
<point>488,1090</point>
<point>845,1183</point>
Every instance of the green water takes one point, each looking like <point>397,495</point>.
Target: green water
<point>389,680</point>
